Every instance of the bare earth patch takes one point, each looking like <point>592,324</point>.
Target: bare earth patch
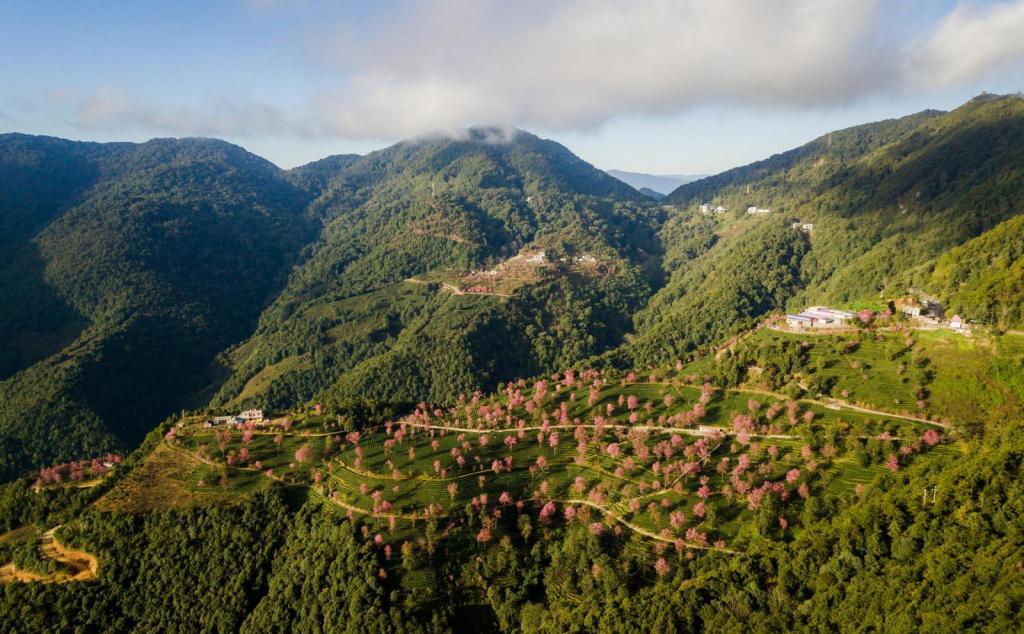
<point>159,483</point>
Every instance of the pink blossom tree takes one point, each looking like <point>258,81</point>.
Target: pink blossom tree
<point>661,567</point>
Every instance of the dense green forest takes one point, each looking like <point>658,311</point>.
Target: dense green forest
<point>129,276</point>
<point>984,277</point>
<point>347,326</point>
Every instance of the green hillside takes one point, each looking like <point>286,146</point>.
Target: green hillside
<point>882,202</point>
<point>378,312</point>
<point>984,277</point>
<point>127,278</point>
<point>584,500</point>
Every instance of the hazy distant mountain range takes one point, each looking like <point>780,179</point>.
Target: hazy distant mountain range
<point>660,183</point>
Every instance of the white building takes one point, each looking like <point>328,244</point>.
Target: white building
<point>253,415</point>
<point>819,317</point>
<point>758,211</point>
<point>798,321</point>
<point>223,420</point>
<point>806,227</point>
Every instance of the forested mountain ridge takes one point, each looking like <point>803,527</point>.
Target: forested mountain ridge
<point>131,273</point>
<point>878,204</point>
<point>349,327</point>
<point>314,177</point>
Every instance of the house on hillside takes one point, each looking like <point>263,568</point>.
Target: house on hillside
<point>919,306</point>
<point>252,415</point>
<point>909,306</point>
<point>932,307</point>
<point>217,421</point>
<point>806,227</point>
<point>537,257</point>
<point>758,211</point>
<point>708,210</point>
<point>798,321</point>
<point>958,324</point>
<point>819,317</point>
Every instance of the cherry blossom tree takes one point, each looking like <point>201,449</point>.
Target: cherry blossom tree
<point>661,567</point>
<point>931,437</point>
<point>547,511</point>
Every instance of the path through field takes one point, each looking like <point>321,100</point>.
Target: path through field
<point>76,565</point>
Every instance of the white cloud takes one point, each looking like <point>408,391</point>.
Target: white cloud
<point>576,64</point>
<point>110,108</point>
<point>969,44</point>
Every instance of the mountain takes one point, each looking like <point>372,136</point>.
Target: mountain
<point>314,177</point>
<point>660,183</point>
<point>875,204</point>
<point>447,265</point>
<point>669,503</point>
<point>150,277</point>
<point>650,193</point>
<point>129,267</point>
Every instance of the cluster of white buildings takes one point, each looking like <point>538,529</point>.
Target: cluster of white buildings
<point>929,311</point>
<point>246,416</point>
<point>819,317</point>
<point>708,210</point>
<point>538,258</point>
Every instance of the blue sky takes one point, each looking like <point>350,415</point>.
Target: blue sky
<point>662,86</point>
